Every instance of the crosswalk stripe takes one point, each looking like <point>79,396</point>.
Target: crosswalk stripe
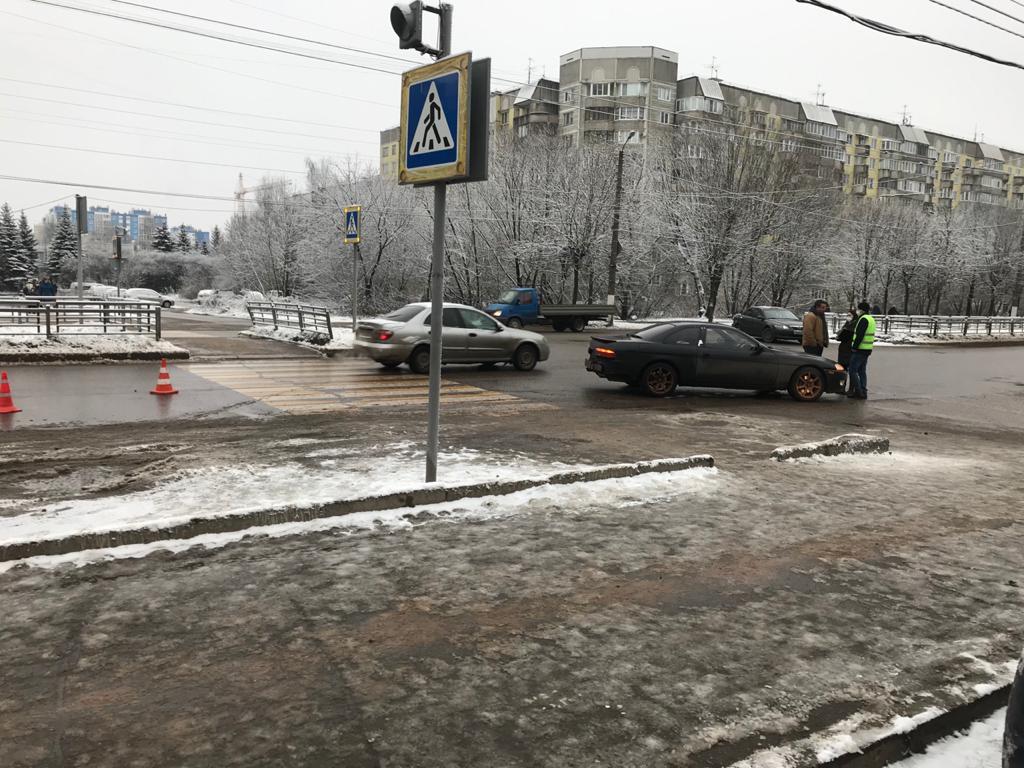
<point>317,386</point>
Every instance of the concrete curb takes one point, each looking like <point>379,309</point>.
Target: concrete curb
<point>415,498</point>
<point>898,746</point>
<point>92,357</point>
<point>836,446</point>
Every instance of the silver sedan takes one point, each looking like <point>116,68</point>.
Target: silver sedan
<point>467,336</point>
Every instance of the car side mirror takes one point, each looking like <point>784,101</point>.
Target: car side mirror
<point>500,328</point>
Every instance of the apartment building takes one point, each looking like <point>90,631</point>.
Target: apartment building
<point>526,110</point>
<point>389,153</point>
<point>617,94</point>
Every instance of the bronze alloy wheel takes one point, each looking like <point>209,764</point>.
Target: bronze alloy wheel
<point>659,379</point>
<point>808,384</point>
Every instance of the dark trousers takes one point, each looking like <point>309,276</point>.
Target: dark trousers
<point>859,372</point>
<point>814,350</point>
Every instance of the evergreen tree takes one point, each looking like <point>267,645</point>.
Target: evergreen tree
<point>29,247</point>
<point>10,250</point>
<point>184,244</point>
<point>216,238</point>
<point>204,248</point>
<point>65,245</point>
<point>162,240</point>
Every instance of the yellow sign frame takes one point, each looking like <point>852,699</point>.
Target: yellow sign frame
<point>460,168</point>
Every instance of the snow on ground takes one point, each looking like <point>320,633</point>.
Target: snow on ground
<point>75,341</point>
<point>980,747</point>
<point>224,306</point>
<point>342,337</point>
<point>575,500</point>
<point>314,477</point>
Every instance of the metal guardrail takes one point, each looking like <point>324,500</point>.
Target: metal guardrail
<point>302,317</point>
<point>97,317</point>
<point>933,325</point>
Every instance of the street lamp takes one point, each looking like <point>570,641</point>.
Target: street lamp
<point>613,256</point>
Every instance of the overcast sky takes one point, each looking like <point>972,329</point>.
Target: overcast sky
<point>329,109</point>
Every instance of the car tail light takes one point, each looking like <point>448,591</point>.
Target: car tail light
<point>384,335</point>
<point>604,352</point>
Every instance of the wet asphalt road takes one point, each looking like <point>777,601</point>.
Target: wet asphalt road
<point>978,385</point>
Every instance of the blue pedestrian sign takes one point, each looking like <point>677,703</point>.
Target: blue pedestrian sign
<point>434,144</point>
<point>352,216</point>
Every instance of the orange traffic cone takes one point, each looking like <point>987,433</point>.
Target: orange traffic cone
<point>6,403</point>
<point>163,382</point>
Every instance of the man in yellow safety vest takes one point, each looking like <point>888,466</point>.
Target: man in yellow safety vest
<point>863,341</point>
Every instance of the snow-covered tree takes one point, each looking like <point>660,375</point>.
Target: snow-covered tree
<point>64,246</point>
<point>215,238</point>
<point>11,271</point>
<point>162,240</point>
<point>204,248</point>
<point>29,247</point>
<point>184,244</point>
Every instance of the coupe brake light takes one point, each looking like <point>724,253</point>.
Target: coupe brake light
<point>384,335</point>
<point>604,352</point>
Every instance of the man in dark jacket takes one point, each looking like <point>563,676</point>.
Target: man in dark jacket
<point>47,288</point>
<point>863,342</point>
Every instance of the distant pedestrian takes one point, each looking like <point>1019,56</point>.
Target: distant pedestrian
<point>702,312</point>
<point>863,342</point>
<point>876,310</point>
<point>47,288</point>
<point>29,289</point>
<point>815,337</point>
<point>892,311</point>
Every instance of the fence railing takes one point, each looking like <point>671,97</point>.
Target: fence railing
<point>302,317</point>
<point>935,325</point>
<point>53,317</point>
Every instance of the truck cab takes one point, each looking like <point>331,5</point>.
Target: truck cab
<point>516,307</point>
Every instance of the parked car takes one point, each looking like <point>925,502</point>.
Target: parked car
<point>769,324</point>
<point>145,294</point>
<point>697,354</point>
<point>253,296</point>
<point>467,336</point>
<point>99,291</point>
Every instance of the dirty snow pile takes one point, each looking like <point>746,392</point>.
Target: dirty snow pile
<point>981,746</point>
<point>342,337</point>
<point>226,306</point>
<point>77,344</point>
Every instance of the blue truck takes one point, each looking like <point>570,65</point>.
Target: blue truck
<point>517,307</point>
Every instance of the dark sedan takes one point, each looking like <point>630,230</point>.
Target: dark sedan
<point>664,356</point>
<point>769,324</point>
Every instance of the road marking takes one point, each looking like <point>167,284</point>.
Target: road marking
<point>316,386</point>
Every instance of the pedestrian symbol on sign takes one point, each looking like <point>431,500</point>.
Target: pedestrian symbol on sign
<point>432,131</point>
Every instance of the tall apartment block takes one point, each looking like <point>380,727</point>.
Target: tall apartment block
<point>389,153</point>
<point>526,110</point>
<point>608,93</point>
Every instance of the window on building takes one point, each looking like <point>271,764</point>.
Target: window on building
<point>665,118</point>
<point>569,118</point>
<point>569,95</point>
<point>599,113</point>
<point>700,104</point>
<point>629,113</point>
<point>630,89</point>
<point>789,145</point>
<point>663,93</point>
<point>623,137</point>
<point>820,129</point>
<point>600,89</point>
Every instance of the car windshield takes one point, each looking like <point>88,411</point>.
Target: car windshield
<point>405,314</point>
<point>780,314</point>
<point>509,297</point>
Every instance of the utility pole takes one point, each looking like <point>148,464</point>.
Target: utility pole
<point>82,214</point>
<point>614,254</point>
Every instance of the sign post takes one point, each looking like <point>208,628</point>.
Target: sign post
<point>443,140</point>
<point>117,259</point>
<point>353,235</point>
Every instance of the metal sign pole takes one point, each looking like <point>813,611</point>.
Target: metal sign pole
<point>82,214</point>
<point>355,285</point>
<point>436,322</point>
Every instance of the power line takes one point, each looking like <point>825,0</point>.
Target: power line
<point>1001,12</point>
<point>212,36</point>
<point>887,29</point>
<point>187,106</point>
<point>976,18</point>
<point>262,31</point>
<point>148,157</point>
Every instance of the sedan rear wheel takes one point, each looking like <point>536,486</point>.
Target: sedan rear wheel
<point>659,379</point>
<point>525,358</point>
<point>419,360</point>
<point>807,384</point>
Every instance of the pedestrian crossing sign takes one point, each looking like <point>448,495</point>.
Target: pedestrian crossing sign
<point>352,216</point>
<point>434,136</point>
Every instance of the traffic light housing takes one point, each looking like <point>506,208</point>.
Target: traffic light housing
<point>117,247</point>
<point>407,21</point>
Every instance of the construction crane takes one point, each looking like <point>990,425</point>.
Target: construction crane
<point>241,191</point>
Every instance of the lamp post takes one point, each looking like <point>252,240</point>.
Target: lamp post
<point>613,256</point>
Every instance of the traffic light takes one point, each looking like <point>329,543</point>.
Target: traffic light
<point>117,246</point>
<point>407,21</point>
